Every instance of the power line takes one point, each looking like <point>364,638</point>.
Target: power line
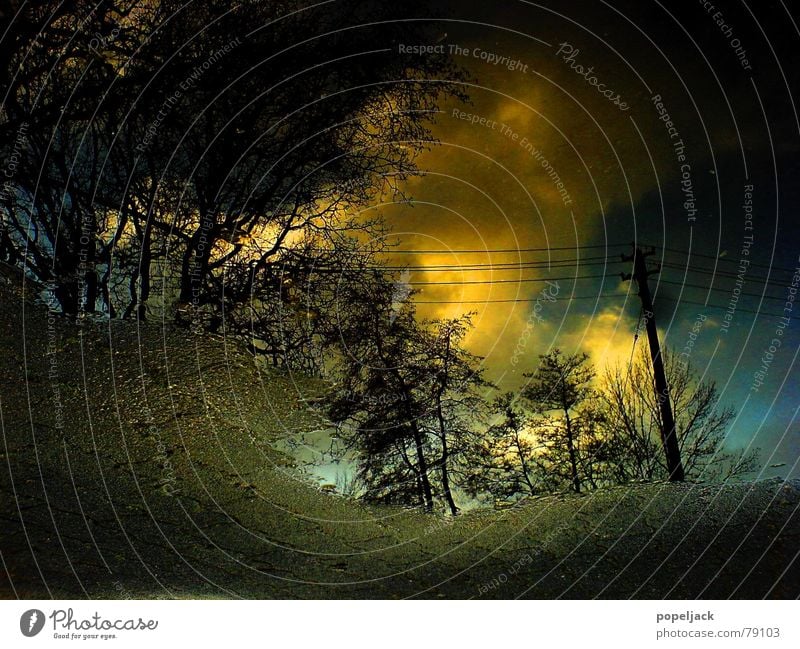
<point>536,266</point>
<point>563,263</point>
<point>518,300</point>
<point>491,251</point>
<point>725,308</point>
<point>720,273</point>
<point>473,268</point>
<point>723,290</point>
<point>555,263</point>
<point>511,281</point>
<point>727,259</point>
<point>548,265</point>
<point>608,296</point>
<point>597,276</point>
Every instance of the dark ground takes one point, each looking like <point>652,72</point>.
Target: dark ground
<point>102,499</point>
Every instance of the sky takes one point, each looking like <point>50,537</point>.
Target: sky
<point>594,126</point>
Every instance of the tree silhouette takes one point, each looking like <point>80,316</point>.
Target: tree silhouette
<point>561,384</point>
<point>457,396</point>
<point>502,461</point>
<point>407,398</point>
<point>633,423</point>
<point>172,142</point>
<point>375,404</point>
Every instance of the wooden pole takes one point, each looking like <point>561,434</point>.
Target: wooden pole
<point>669,437</point>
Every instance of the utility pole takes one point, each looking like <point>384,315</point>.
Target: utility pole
<point>669,437</point>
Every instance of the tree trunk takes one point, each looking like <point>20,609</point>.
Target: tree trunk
<point>422,463</point>
<point>133,294</point>
<point>427,492</point>
<point>66,292</point>
<point>522,462</point>
<point>573,460</point>
<point>415,471</point>
<point>196,259</point>
<point>90,305</point>
<point>105,290</point>
<point>448,495</point>
<point>144,274</point>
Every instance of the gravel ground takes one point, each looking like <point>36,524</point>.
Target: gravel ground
<point>141,463</point>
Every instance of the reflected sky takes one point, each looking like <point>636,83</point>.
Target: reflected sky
<point>595,125</point>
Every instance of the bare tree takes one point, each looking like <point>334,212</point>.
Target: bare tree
<point>632,423</point>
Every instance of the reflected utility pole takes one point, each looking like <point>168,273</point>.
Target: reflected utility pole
<point>669,437</point>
